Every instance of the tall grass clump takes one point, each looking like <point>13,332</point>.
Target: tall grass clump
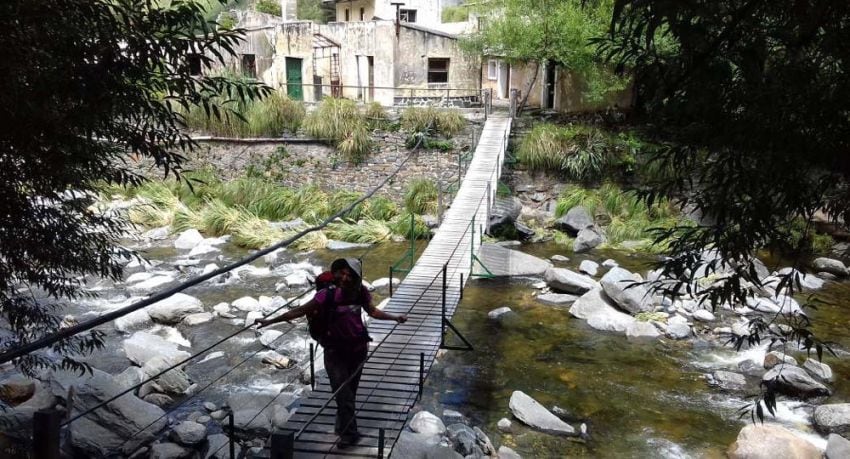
<point>400,226</point>
<point>269,7</point>
<point>157,205</point>
<point>252,232</point>
<point>376,116</point>
<point>367,231</point>
<point>245,191</point>
<point>274,115</point>
<point>339,122</point>
<point>218,219</point>
<point>445,122</point>
<point>381,208</point>
<point>195,187</point>
<point>421,197</point>
<point>455,14</point>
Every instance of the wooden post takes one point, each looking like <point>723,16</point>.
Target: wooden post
<point>232,433</point>
<point>282,445</point>
<point>421,373</point>
<point>391,281</point>
<point>45,434</point>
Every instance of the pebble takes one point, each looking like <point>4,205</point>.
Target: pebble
<point>504,425</point>
<point>210,406</point>
<point>559,258</point>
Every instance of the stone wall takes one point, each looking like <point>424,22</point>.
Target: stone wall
<point>456,102</point>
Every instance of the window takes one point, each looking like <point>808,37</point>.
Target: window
<point>249,65</point>
<point>438,70</point>
<point>362,13</point>
<point>346,15</point>
<point>492,69</point>
<point>194,64</point>
<point>407,15</point>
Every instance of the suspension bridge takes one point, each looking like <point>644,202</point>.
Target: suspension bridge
<point>400,356</point>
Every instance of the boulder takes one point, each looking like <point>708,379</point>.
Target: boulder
<point>774,358</point>
<point>587,239</point>
<point>342,245</point>
<point>533,414</point>
<point>143,346</point>
<point>568,281</point>
<point>620,286</point>
<point>678,330</point>
<point>441,451</point>
<point>484,441</point>
<point>130,377</point>
<point>504,425</point>
<point>252,412</point>
<point>559,258</point>
<point>384,282</point>
<point>298,279</point>
<point>114,428</point>
<point>505,211</point>
<point>588,267</point>
<point>218,447</point>
<point>727,380</point>
<point>16,389</point>
<point>426,423</point>
<point>277,360</point>
<point>704,315</point>
<point>198,318</point>
<point>169,451</point>
<point>557,299</point>
<point>246,304</point>
<point>819,370</point>
<point>837,447</point>
<point>188,239</point>
<point>412,445</point>
<point>599,312</point>
<point>795,382</point>
<point>189,433</point>
<point>135,319</point>
<point>157,234</point>
<point>504,262</point>
<point>269,338</point>
<point>174,308</point>
<point>151,283</point>
<point>575,220</point>
<point>452,416</point>
<point>507,453</point>
<point>499,312</point>
<point>639,330</point>
<point>833,418</point>
<point>830,265</point>
<point>770,441</point>
<point>174,381</point>
<point>463,438</point>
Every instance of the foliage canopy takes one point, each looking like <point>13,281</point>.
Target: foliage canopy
<point>86,84</point>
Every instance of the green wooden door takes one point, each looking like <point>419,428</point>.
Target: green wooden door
<point>293,79</point>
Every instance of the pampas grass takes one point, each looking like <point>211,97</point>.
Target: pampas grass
<point>364,232</point>
<point>419,119</point>
<point>338,121</point>
<point>421,197</point>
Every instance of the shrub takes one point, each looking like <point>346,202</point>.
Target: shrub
<point>274,115</point>
<point>217,218</point>
<point>401,226</point>
<point>376,116</point>
<point>367,231</point>
<point>342,199</point>
<point>421,197</point>
<point>450,122</point>
<point>455,14</point>
<point>339,122</point>
<point>252,232</point>
<point>381,208</point>
<point>268,7</point>
<point>226,21</point>
<point>445,122</point>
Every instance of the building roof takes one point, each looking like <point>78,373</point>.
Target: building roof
<point>427,30</point>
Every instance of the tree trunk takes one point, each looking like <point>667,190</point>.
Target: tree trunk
<point>528,89</point>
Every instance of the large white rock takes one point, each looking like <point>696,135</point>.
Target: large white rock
<point>198,318</point>
<point>837,447</point>
<point>426,423</point>
<point>568,281</point>
<point>557,299</point>
<point>770,441</point>
<point>135,319</point>
<point>174,381</point>
<point>174,308</point>
<point>794,381</point>
<point>620,286</point>
<point>201,249</point>
<point>819,370</point>
<point>189,433</point>
<point>504,262</point>
<point>600,314</point>
<point>269,338</point>
<point>830,265</point>
<point>498,312</point>
<point>143,346</point>
<point>151,283</point>
<point>638,330</point>
<point>533,414</point>
<point>246,303</point>
<point>115,428</point>
<point>588,267</point>
<point>188,239</point>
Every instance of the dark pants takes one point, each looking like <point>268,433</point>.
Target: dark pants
<point>341,363</point>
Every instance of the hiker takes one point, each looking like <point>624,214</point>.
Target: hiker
<point>344,337</point>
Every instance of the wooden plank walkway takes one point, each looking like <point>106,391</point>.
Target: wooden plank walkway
<point>390,383</point>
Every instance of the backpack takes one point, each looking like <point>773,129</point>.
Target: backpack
<point>319,320</point>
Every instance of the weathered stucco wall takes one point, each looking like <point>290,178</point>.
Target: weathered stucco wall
<point>417,46</point>
<point>354,7</point>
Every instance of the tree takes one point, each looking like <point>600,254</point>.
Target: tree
<point>557,31</point>
<point>85,85</point>
<point>749,99</point>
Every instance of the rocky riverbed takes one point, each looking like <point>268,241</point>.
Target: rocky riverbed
<point>568,361</point>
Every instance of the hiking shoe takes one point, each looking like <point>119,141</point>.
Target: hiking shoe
<point>349,440</point>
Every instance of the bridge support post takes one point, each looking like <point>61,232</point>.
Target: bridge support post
<point>380,443</point>
<point>231,428</point>
<point>45,433</point>
<point>443,313</point>
<point>282,445</point>
<point>391,281</point>
<point>461,286</point>
<point>313,366</point>
<point>421,374</point>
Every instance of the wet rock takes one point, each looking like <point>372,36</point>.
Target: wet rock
<point>197,318</point>
<point>826,276</point>
<point>504,425</point>
<point>837,447</point>
<point>588,267</point>
<point>174,381</point>
<point>833,418</point>
<point>600,313</point>
<point>442,452</point>
<point>252,317</point>
<point>210,406</point>
<point>533,414</point>
<point>188,239</point>
<point>219,447</point>
<point>497,313</point>
<point>202,248</point>
<point>639,330</point>
<point>452,417</point>
<point>575,220</point>
<point>208,268</point>
<point>426,423</point>
<point>795,382</point>
<point>411,445</point>
<point>169,451</point>
<point>751,367</point>
<point>507,453</point>
<point>559,258</point>
<point>269,338</point>
<point>130,377</point>
<point>568,281</point>
<point>727,380</point>
<point>133,320</point>
<point>830,265</point>
<point>157,234</point>
<point>16,389</point>
<point>819,370</point>
<point>504,262</point>
<point>342,245</point>
<point>151,283</point>
<point>609,263</point>
<point>557,299</point>
<point>774,358</point>
<point>106,430</point>
<point>484,442</point>
<point>769,441</point>
<point>587,239</point>
<point>620,286</point>
<point>678,330</point>
<point>143,346</point>
<point>277,360</point>
<point>174,308</point>
<point>189,433</point>
<point>160,400</point>
<point>704,315</point>
<point>384,282</point>
<point>246,304</point>
<point>807,281</point>
<point>463,438</point>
